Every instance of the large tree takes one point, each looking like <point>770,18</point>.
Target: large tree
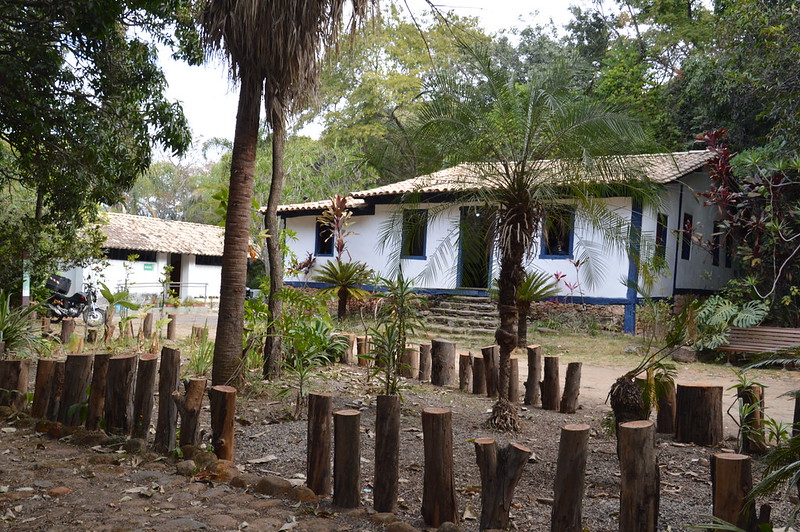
<point>273,49</point>
<point>538,150</point>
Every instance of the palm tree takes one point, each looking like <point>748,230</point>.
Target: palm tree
<point>536,149</point>
<point>345,279</point>
<point>272,48</point>
<point>536,286</point>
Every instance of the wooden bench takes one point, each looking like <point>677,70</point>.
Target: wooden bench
<point>761,340</point>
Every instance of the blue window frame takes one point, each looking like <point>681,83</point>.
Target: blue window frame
<point>558,235</point>
<point>415,232</point>
<point>323,245</point>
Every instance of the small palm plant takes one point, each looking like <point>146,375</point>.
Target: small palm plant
<point>16,328</point>
<point>536,286</point>
<point>346,279</point>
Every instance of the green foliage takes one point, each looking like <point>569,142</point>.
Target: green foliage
<point>201,356</point>
<point>17,330</point>
<point>346,279</point>
<point>716,315</point>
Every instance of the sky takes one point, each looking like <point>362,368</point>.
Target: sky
<point>209,101</point>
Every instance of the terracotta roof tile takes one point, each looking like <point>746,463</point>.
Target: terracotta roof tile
<point>352,203</point>
<point>126,231</point>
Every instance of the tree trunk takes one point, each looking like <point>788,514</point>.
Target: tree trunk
<point>97,394</point>
<point>513,381</point>
<point>572,388</point>
<point>387,453</point>
<point>168,375</point>
<point>532,388</point>
<point>172,327</point>
<point>223,413</point>
<point>347,458</point>
<point>14,383</point>
<point>318,443</point>
<point>639,477</point>
<point>438,489</point>
<point>500,470</point>
<point>731,482</point>
<point>511,277</point>
<point>491,355</point>
<point>551,386</point>
<point>478,375</point>
<point>425,362</point>
<point>143,397</point>
<point>341,306</point>
<point>465,372</point>
<point>230,323</point>
<point>77,375</point>
<point>188,408</point>
<point>522,327</point>
<point>443,363</point>
<point>119,394</point>
<point>569,483</point>
<point>272,349</point>
<point>698,414</point>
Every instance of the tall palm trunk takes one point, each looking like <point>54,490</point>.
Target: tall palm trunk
<point>227,366</point>
<point>511,275</point>
<point>523,309</point>
<point>272,347</point>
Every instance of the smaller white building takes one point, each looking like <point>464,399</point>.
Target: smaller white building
<point>143,253</point>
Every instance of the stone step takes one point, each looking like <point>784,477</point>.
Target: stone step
<point>459,321</point>
<point>481,313</point>
<point>456,306</point>
<point>457,331</point>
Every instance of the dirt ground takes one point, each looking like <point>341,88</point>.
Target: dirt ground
<point>88,481</point>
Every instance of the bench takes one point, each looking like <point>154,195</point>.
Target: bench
<point>761,339</point>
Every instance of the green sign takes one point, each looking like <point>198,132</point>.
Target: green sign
<point>149,266</point>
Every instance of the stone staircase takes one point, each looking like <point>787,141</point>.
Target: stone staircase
<point>461,315</point>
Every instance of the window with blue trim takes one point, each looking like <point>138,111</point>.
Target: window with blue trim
<point>415,230</point>
<point>557,235</point>
<point>662,225</point>
<point>323,246</point>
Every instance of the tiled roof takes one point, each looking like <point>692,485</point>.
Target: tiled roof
<point>352,203</point>
<point>126,231</point>
<point>659,168</point>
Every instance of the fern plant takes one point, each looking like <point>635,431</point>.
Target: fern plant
<point>716,315</point>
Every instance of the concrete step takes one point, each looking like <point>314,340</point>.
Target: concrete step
<point>462,321</point>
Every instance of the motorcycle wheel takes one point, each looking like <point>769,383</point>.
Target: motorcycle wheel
<point>94,317</point>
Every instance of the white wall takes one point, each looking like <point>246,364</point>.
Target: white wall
<point>201,274</point>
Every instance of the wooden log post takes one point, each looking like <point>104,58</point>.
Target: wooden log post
<point>91,336</point>
<point>67,328</point>
<point>550,386</point>
<point>572,388</point>
<point>42,389</point>
<point>147,326</point>
<point>409,363</point>
<point>77,376</point>
<point>143,396</point>
<point>166,423</point>
<point>223,414</point>
<point>425,362</point>
<point>752,423</point>
<point>568,490</point>
<point>198,333</point>
<point>346,458</point>
<point>500,470</point>
<point>665,401</point>
<point>119,394</point>
<point>350,348</point>
<point>56,391</point>
<point>731,482</point>
<point>513,381</point>
<point>443,363</point>
<point>491,368</point>
<point>14,382</point>
<point>532,388</point>
<point>478,375</point>
<point>189,407</point>
<point>387,453</point>
<point>364,351</point>
<point>465,372</point>
<point>698,414</point>
<point>97,393</point>
<point>438,490</point>
<point>639,477</point>
<point>318,443</point>
<point>172,327</point>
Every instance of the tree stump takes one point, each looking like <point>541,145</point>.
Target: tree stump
<point>119,394</point>
<point>91,336</point>
<point>350,349</point>
<point>731,481</point>
<point>14,382</point>
<point>56,390</point>
<point>443,363</point>
<point>639,477</point>
<point>147,325</point>
<point>223,414</point>
<point>438,490</point>
<point>42,390</point>
<point>665,419</point>
<point>425,362</point>
<point>346,458</point>
<point>698,414</point>
<point>478,375</point>
<point>500,470</point>
<point>491,368</point>
<point>67,328</point>
<point>198,333</point>
<point>97,393</point>
<point>166,423</point>
<point>188,407</point>
<point>569,486</point>
<point>143,397</point>
<point>572,388</point>
<point>387,453</point>
<point>409,363</point>
<point>318,443</point>
<point>172,327</point>
<point>465,372</point>
<point>513,381</point>
<point>752,398</point>
<point>532,389</point>
<point>77,376</point>
<point>364,348</point>
<point>550,386</point>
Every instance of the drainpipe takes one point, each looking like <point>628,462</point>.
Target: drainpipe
<point>635,235</point>
<point>678,241</point>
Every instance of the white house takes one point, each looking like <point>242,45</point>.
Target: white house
<point>194,251</point>
<point>436,252</point>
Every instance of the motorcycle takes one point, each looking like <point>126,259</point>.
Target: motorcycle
<point>59,306</point>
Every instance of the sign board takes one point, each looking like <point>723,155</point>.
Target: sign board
<point>149,266</point>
